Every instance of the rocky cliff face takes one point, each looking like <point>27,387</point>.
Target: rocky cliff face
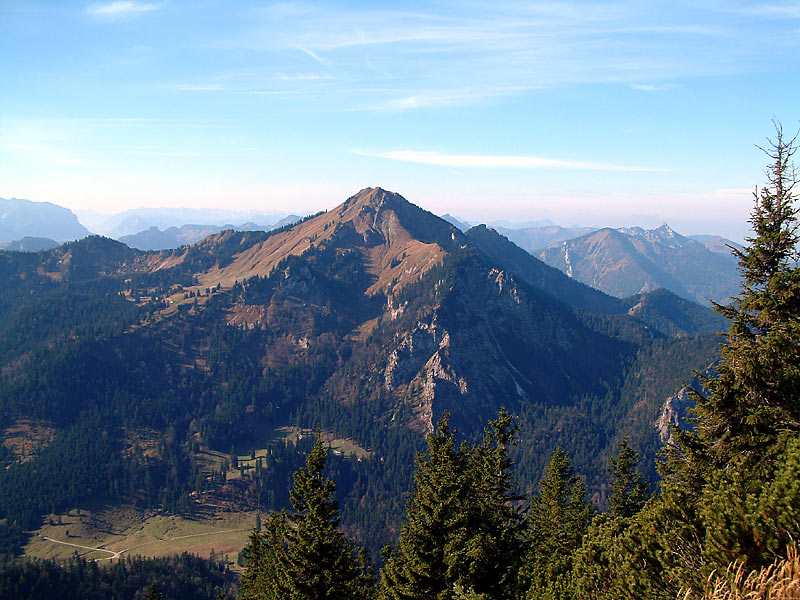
<point>673,413</point>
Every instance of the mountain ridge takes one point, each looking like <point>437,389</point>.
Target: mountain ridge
<point>371,319</point>
<point>24,218</point>
<point>627,261</point>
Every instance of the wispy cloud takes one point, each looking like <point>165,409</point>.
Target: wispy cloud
<point>227,89</point>
<point>413,54</point>
<point>304,77</point>
<point>120,8</point>
<point>199,87</point>
<point>45,155</point>
<point>443,98</point>
<point>652,87</point>
<point>323,61</point>
<point>478,161</point>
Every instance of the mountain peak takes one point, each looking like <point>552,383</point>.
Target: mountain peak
<point>666,230</point>
<point>373,197</point>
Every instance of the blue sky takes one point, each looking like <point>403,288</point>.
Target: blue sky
<point>603,113</point>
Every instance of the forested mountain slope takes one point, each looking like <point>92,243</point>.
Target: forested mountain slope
<point>369,320</point>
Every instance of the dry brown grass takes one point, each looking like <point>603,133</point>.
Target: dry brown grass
<point>778,581</point>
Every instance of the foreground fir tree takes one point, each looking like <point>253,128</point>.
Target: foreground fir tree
<point>462,536</point>
<point>629,489</point>
<point>302,555</point>
<point>493,546</point>
<point>558,519</point>
<point>729,492</point>
<point>755,395</point>
<point>601,567</point>
<point>747,424</point>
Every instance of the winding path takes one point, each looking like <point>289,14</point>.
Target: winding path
<point>112,557</point>
<point>117,554</point>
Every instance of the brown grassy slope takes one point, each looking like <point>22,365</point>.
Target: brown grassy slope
<point>380,224</point>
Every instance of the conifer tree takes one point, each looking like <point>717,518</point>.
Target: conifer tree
<point>558,518</point>
<point>490,554</point>
<point>302,555</point>
<point>628,486</point>
<point>462,538</point>
<point>717,503</point>
<point>601,565</point>
<point>756,390</point>
<point>418,567</point>
<point>751,411</point>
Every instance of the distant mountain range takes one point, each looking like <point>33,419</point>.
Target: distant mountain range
<point>23,218</point>
<point>539,237</point>
<point>137,220</point>
<point>632,260</point>
<point>462,225</point>
<point>173,237</point>
<point>29,244</point>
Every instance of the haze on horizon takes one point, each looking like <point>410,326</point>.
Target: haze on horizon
<point>589,113</point>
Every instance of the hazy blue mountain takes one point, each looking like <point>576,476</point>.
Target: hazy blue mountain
<point>29,244</point>
<point>287,220</point>
<point>131,222</point>
<point>461,224</point>
<point>627,261</point>
<point>173,237</point>
<point>23,218</point>
<point>659,309</point>
<point>520,224</point>
<point>537,238</point>
<point>717,243</point>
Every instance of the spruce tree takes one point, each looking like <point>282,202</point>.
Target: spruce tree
<point>417,569</point>
<point>629,488</point>
<point>462,538</point>
<point>717,503</point>
<point>602,565</point>
<point>302,554</point>
<point>751,412</point>
<point>755,392</point>
<point>490,550</point>
<point>558,518</point>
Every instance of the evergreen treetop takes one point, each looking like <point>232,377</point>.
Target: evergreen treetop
<point>755,393</point>
<point>629,488</point>
<point>303,555</point>
<point>462,537</point>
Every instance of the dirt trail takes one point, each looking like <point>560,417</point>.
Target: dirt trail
<point>117,554</point>
<point>112,557</point>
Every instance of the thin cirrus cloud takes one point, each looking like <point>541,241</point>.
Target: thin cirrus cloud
<point>119,9</point>
<point>445,97</point>
<point>652,87</point>
<point>483,161</point>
